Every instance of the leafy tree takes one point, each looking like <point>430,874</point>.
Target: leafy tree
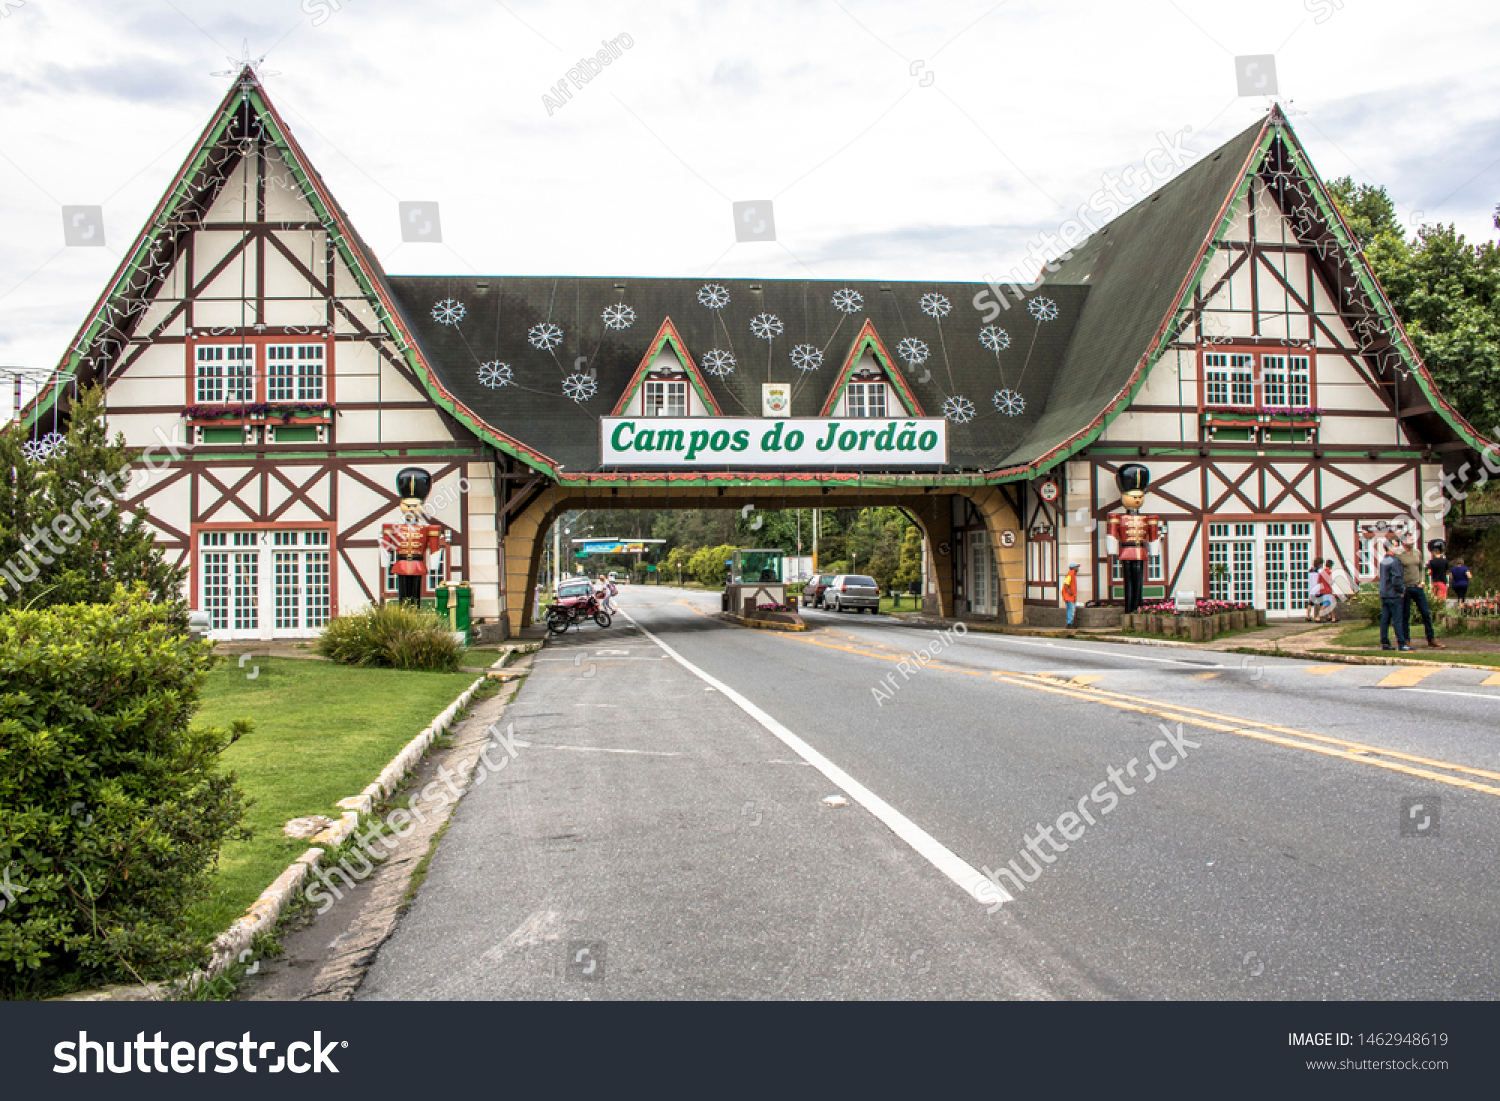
<point>64,536</point>
<point>1368,210</point>
<point>910,569</point>
<point>707,565</point>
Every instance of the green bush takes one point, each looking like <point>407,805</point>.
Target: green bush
<point>1366,602</point>
<point>707,565</point>
<point>112,807</point>
<point>393,635</point>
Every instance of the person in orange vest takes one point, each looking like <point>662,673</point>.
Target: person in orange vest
<point>1070,591</point>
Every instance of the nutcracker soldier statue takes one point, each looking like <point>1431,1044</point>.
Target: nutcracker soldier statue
<point>409,543</point>
<point>1131,537</point>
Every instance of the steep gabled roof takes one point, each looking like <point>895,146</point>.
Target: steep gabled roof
<point>668,335</point>
<point>868,340</point>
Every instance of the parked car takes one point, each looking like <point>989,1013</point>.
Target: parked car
<point>573,586</point>
<point>852,591</point>
<point>812,592</point>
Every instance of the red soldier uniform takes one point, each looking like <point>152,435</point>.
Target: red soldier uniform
<point>411,542</point>
<point>1130,536</point>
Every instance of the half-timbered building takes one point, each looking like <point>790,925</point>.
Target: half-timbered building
<point>1225,331</point>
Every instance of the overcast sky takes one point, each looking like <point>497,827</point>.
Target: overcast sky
<point>901,140</point>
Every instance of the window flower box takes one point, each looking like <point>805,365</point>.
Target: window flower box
<point>261,413</point>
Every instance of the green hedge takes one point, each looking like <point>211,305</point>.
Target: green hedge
<point>393,635</point>
<point>112,806</point>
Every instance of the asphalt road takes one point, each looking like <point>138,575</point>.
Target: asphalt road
<point>1217,826</point>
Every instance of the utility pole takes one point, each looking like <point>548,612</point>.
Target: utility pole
<point>557,553</point>
<point>815,540</point>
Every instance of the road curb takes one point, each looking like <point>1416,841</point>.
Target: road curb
<point>762,625</point>
<point>263,914</point>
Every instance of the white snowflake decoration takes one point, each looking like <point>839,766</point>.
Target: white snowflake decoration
<point>544,336</point>
<point>718,364</point>
<point>1010,403</point>
<point>580,387</point>
<point>848,301</point>
<point>495,373</point>
<point>55,443</point>
<point>767,326</point>
<point>912,350</point>
<point>34,451</point>
<point>618,317</point>
<point>806,357</point>
<point>449,311</point>
<point>935,305</point>
<point>994,338</point>
<point>713,296</point>
<point>959,410</point>
<point>1043,309</point>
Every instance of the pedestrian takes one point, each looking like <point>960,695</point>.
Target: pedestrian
<point>610,592</point>
<point>1327,612</point>
<point>1070,592</point>
<point>1392,599</point>
<point>1411,570</point>
<point>1313,586</point>
<point>1460,574</point>
<point>1437,569</point>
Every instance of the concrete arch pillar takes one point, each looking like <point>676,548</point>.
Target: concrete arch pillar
<point>1010,562</point>
<point>523,555</point>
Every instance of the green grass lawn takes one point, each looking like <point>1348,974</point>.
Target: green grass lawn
<point>1365,638</point>
<point>322,733</point>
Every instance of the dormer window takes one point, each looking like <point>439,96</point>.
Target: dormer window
<point>666,397</point>
<point>865,399</point>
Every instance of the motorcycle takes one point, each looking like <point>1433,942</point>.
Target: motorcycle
<point>574,611</point>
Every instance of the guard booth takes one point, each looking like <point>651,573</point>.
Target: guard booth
<point>754,579</point>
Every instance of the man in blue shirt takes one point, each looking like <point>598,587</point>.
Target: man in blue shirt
<point>1392,600</point>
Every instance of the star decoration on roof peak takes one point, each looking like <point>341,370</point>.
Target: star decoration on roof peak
<point>245,61</point>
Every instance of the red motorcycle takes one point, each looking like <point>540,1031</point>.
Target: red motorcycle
<point>574,611</point>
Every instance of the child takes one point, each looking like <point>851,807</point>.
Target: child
<point>1326,612</point>
<point>1437,569</point>
<point>1070,591</point>
<point>1460,580</point>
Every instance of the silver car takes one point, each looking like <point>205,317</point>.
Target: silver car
<point>852,592</point>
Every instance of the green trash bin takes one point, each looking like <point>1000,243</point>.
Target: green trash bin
<point>465,602</point>
<point>442,601</point>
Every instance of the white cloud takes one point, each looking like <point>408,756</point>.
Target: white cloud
<point>814,104</point>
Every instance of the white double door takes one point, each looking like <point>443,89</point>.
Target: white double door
<point>1264,564</point>
<point>264,583</point>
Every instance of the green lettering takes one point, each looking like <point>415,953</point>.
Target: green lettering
<point>614,437</point>
<point>670,439</point>
<point>886,441</point>
<point>645,441</point>
<point>794,440</point>
<point>928,440</point>
<point>720,440</point>
<point>907,441</point>
<point>741,440</point>
<point>828,443</point>
<point>864,437</point>
<point>848,439</point>
<point>698,443</point>
<point>771,441</point>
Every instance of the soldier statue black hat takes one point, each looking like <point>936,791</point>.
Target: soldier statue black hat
<point>1133,478</point>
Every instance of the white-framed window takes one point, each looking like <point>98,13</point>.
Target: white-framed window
<point>225,373</point>
<point>1231,562</point>
<point>1286,382</point>
<point>1229,378</point>
<point>294,372</point>
<point>434,571</point>
<point>666,399</point>
<point>300,564</point>
<point>865,399</point>
<point>1153,570</point>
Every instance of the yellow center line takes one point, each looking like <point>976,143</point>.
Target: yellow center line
<point>1205,676</point>
<point>1324,670</point>
<point>1491,681</point>
<point>1357,752</point>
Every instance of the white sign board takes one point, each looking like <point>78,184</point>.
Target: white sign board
<point>1186,600</point>
<point>715,443</point>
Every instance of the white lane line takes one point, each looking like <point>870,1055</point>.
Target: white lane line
<point>1444,692</point>
<point>974,884</point>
